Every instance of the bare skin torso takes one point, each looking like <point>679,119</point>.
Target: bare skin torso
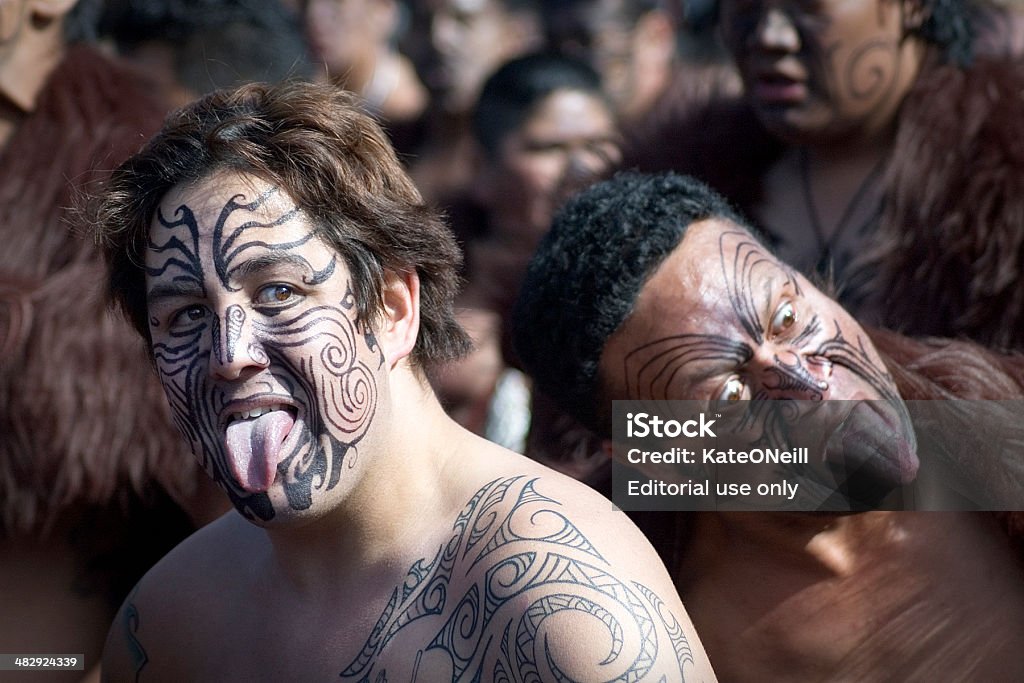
<point>870,597</point>
<point>509,586</point>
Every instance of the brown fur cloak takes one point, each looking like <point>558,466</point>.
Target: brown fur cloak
<point>949,255</point>
<point>82,418</point>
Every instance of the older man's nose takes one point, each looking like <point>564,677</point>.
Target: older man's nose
<point>787,374</point>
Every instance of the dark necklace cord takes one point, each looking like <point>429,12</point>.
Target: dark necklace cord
<point>826,246</point>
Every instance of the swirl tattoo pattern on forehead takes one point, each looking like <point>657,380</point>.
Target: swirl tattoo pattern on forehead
<point>310,354</point>
<point>650,370</point>
<point>511,542</point>
<point>740,272</point>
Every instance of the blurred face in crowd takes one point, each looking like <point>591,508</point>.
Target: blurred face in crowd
<point>471,39</point>
<point>345,34</point>
<point>823,70</point>
<point>625,51</point>
<point>27,31</point>
<point>598,35</point>
<point>721,319</point>
<point>568,141</point>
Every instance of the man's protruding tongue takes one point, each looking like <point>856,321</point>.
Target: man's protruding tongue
<point>253,448</point>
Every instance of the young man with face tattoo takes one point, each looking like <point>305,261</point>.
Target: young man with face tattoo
<point>652,288</point>
<point>876,146</point>
<point>295,292</point>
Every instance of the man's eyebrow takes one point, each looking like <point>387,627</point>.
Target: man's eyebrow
<point>769,290</point>
<point>173,290</point>
<point>264,262</point>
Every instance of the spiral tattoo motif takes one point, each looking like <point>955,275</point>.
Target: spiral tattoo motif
<point>519,586</point>
<point>871,68</point>
<point>234,318</point>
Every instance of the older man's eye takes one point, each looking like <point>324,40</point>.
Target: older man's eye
<point>735,389</point>
<point>784,318</point>
<point>276,294</point>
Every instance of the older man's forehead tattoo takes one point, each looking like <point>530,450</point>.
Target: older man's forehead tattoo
<point>741,268</point>
<point>651,370</point>
<point>679,366</point>
<point>311,353</point>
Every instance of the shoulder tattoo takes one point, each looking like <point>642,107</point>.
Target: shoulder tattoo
<point>525,562</point>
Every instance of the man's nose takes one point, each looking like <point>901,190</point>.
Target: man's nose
<point>235,350</point>
<point>784,374</point>
<point>775,31</point>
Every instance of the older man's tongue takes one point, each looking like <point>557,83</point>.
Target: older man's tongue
<point>254,447</point>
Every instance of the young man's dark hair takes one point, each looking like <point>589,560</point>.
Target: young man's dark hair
<point>602,247</point>
<point>332,159</point>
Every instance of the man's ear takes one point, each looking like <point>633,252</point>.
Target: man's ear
<point>51,9</point>
<point>400,319</point>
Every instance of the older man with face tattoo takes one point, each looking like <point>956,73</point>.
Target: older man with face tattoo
<point>653,288</point>
<point>875,144</point>
<point>295,292</point>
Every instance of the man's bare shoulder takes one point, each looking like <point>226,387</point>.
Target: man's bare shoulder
<point>178,604</point>
<point>539,577</point>
<point>591,513</point>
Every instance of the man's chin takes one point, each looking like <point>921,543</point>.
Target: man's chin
<point>255,507</point>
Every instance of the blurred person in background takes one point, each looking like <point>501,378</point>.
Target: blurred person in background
<point>468,41</point>
<point>95,483</point>
<point>631,43</point>
<point>355,42</point>
<point>190,47</point>
<point>657,60</point>
<point>544,129</point>
<point>878,152</point>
